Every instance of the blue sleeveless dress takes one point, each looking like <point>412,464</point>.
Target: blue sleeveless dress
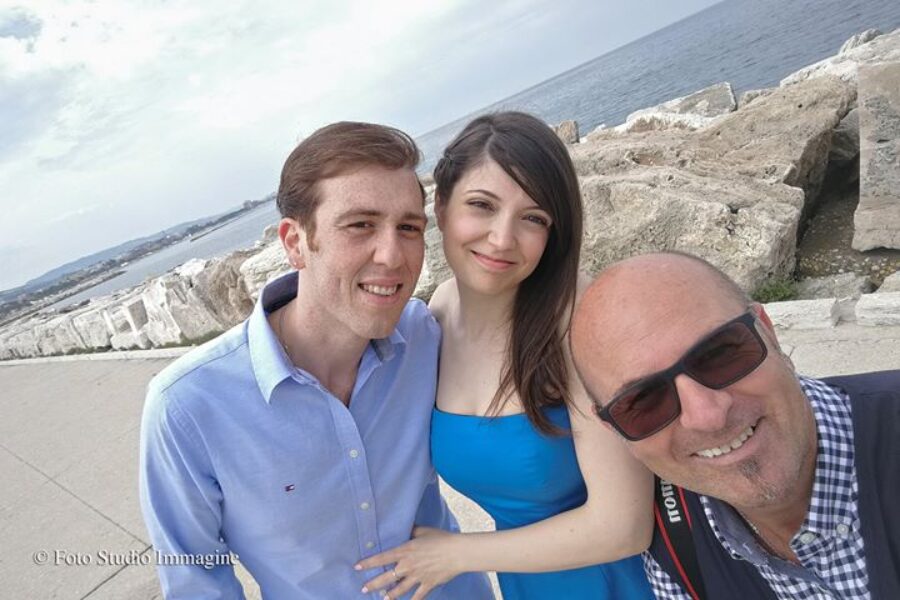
<point>520,477</point>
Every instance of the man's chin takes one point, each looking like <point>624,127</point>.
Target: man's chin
<point>749,486</point>
<point>380,326</point>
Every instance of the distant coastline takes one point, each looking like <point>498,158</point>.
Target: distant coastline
<point>750,44</point>
<point>30,298</point>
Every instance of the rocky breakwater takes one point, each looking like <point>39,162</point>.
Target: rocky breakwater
<point>190,304</point>
<point>731,181</point>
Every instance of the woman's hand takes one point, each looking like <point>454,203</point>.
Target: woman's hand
<point>428,560</point>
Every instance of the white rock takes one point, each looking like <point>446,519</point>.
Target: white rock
<point>745,227</point>
<point>878,309</point>
<point>845,285</point>
<point>751,95</point>
<point>804,314</point>
<point>688,112</point>
<point>567,131</point>
<point>891,283</point>
<point>859,39</point>
<point>884,48</point>
<point>877,218</point>
<point>845,141</point>
<point>435,269</point>
<point>92,328</point>
<point>270,234</point>
<point>264,266</point>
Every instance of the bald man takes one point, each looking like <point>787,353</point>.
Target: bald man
<point>771,485</point>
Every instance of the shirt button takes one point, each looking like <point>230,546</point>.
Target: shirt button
<point>843,529</point>
<point>370,545</point>
<point>364,506</point>
<point>354,453</point>
<point>807,537</point>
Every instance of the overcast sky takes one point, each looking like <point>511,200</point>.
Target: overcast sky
<point>120,118</point>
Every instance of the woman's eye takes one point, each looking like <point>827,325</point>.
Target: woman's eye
<point>538,220</point>
<point>480,204</point>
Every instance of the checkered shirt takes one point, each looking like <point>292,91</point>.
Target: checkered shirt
<point>829,545</point>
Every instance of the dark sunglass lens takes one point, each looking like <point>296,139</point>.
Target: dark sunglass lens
<point>726,356</point>
<point>644,410</point>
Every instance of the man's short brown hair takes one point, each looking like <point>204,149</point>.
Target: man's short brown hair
<point>335,150</point>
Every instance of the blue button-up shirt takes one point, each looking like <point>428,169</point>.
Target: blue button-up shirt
<point>242,452</point>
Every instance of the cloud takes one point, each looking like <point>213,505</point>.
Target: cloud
<point>156,111</point>
<point>19,23</point>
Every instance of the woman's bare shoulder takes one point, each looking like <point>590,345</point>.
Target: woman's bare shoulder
<point>442,298</point>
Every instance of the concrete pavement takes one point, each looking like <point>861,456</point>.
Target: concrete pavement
<point>68,462</point>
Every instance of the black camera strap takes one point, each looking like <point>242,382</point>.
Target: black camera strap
<point>674,522</point>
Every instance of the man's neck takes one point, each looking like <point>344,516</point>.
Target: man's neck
<point>775,525</point>
<point>775,531</point>
<point>321,351</point>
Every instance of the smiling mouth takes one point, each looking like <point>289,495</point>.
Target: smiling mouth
<point>381,290</point>
<point>491,260</point>
<point>730,446</point>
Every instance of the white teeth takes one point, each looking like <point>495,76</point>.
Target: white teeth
<point>380,290</point>
<point>733,445</point>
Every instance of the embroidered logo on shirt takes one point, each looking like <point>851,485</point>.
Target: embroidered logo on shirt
<point>289,488</point>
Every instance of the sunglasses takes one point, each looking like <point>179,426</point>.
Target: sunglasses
<point>720,359</point>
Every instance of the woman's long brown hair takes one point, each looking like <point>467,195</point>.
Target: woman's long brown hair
<point>536,159</point>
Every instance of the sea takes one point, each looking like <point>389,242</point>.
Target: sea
<point>749,43</point>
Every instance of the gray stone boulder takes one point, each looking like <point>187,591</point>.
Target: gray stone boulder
<point>270,234</point>
<point>859,39</point>
<point>804,314</point>
<point>746,227</point>
<point>222,288</point>
<point>58,336</point>
<point>845,141</point>
<point>884,48</point>
<point>435,269</point>
<point>19,342</point>
<point>689,112</point>
<point>877,218</point>
<point>784,137</point>
<point>845,285</point>
<point>879,309</point>
<point>429,214</point>
<point>891,283</point>
<point>92,328</point>
<point>176,314</point>
<point>127,318</point>
<point>596,132</point>
<point>567,131</point>
<point>751,95</point>
<point>262,267</point>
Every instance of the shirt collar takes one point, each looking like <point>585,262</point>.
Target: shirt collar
<point>271,364</point>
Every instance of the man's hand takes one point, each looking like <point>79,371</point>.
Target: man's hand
<point>430,559</point>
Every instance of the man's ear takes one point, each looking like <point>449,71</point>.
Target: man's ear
<point>768,328</point>
<point>293,240</point>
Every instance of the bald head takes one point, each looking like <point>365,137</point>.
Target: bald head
<point>630,335</point>
<point>642,294</point>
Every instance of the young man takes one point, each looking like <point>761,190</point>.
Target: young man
<point>791,479</point>
<point>299,439</point>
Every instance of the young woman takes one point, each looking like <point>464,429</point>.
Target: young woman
<point>513,428</point>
